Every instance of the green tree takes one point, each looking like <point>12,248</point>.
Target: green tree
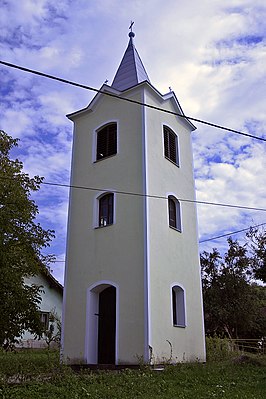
<point>257,247</point>
<point>53,332</point>
<point>232,303</point>
<point>21,243</point>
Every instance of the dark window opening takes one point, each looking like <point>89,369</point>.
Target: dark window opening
<point>44,316</point>
<point>172,212</point>
<point>178,306</point>
<point>106,210</point>
<point>170,145</point>
<point>107,141</point>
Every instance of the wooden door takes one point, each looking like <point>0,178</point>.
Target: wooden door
<point>107,326</point>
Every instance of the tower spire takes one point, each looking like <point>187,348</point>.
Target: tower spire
<point>131,70</point>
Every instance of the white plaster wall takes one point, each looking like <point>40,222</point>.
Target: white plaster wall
<point>115,252</point>
<point>173,255</point>
<point>118,252</point>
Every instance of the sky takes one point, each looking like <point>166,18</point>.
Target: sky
<point>212,53</point>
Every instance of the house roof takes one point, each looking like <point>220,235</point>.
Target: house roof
<point>131,70</point>
<point>52,280</point>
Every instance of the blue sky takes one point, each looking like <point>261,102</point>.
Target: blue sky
<point>212,53</point>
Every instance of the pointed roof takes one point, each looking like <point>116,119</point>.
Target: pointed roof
<point>131,70</point>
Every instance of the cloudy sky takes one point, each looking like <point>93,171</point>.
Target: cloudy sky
<point>212,53</point>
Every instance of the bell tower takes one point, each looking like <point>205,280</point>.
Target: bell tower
<point>132,280</point>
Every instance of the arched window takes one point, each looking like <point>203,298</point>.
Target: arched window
<point>174,212</point>
<point>106,210</point>
<point>178,306</point>
<point>106,141</point>
<point>170,145</point>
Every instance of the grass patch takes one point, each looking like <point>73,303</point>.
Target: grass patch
<point>38,375</point>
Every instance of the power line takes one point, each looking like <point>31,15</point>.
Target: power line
<point>155,196</point>
<point>129,100</point>
<point>233,232</point>
<point>208,239</point>
<point>147,195</point>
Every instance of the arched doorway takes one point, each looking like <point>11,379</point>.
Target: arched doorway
<point>107,326</point>
<point>101,340</point>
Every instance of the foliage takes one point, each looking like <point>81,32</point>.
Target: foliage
<point>38,375</point>
<point>232,304</point>
<point>257,246</point>
<point>218,348</point>
<point>53,333</point>
<point>21,242</point>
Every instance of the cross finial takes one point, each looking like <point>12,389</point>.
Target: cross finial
<point>131,34</point>
<point>131,24</point>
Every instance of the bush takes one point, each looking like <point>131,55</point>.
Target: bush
<point>218,348</point>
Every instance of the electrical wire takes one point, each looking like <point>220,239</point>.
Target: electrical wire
<point>11,65</point>
<point>146,195</point>
<point>156,196</point>
<point>232,233</point>
<point>158,109</point>
<point>208,239</point>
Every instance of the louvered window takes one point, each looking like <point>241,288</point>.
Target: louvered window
<point>174,213</point>
<point>170,145</point>
<point>106,141</point>
<point>178,306</point>
<point>106,210</point>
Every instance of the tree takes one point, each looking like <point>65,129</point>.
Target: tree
<point>257,246</point>
<point>21,242</point>
<point>53,332</point>
<point>232,303</point>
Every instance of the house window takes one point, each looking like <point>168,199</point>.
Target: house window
<point>106,210</point>
<point>170,145</point>
<point>44,316</point>
<point>174,213</point>
<point>178,306</point>
<point>106,141</point>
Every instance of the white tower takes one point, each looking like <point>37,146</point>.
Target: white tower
<point>132,282</point>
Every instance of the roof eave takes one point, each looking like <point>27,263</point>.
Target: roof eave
<point>168,96</point>
<point>102,91</point>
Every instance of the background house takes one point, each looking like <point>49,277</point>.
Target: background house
<point>52,299</point>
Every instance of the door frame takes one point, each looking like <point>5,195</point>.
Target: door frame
<point>92,309</point>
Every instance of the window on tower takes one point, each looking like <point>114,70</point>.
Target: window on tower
<point>178,306</point>
<point>170,145</point>
<point>106,141</point>
<point>174,212</point>
<point>106,210</point>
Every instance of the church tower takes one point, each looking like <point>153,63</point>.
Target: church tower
<point>132,281</point>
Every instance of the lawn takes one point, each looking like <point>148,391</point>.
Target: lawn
<point>39,375</point>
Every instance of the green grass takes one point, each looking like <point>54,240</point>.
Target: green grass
<point>38,375</point>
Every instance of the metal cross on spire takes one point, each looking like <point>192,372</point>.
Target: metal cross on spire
<point>131,24</point>
<point>131,33</point>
